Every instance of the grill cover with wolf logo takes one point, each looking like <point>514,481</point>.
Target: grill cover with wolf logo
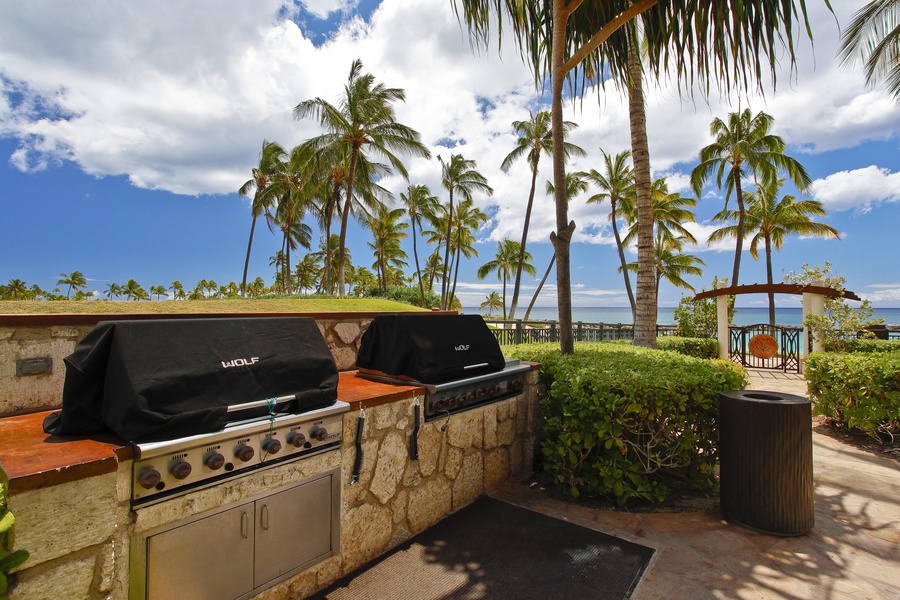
<point>153,380</point>
<point>430,348</point>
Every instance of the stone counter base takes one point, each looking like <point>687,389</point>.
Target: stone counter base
<point>79,533</point>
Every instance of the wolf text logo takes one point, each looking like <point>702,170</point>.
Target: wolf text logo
<point>240,362</point>
<point>462,347</point>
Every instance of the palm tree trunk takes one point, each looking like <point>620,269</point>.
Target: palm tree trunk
<point>287,262</point>
<point>622,259</point>
<point>445,283</point>
<point>335,198</point>
<point>247,260</point>
<point>562,238</point>
<point>515,298</point>
<point>457,260</point>
<point>769,280</point>
<point>345,218</point>
<point>645,305</point>
<point>418,270</point>
<point>504,296</point>
<point>539,287</point>
<point>739,245</point>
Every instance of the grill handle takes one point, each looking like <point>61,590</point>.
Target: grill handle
<point>259,403</point>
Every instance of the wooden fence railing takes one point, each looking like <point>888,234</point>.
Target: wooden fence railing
<point>526,332</point>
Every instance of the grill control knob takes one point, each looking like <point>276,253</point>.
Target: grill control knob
<point>215,461</point>
<point>272,446</point>
<point>180,469</point>
<point>479,392</point>
<point>148,478</point>
<point>244,452</point>
<point>297,439</point>
<point>515,384</point>
<point>470,396</point>
<point>319,433</point>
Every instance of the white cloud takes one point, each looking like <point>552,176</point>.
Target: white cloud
<point>859,189</point>
<point>178,96</point>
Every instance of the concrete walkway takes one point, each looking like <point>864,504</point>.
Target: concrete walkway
<point>853,552</point>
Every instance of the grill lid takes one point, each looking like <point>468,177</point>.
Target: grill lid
<point>162,379</point>
<point>430,348</point>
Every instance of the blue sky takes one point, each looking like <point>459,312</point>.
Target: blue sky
<point>126,129</point>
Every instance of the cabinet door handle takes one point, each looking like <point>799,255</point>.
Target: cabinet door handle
<point>264,517</point>
<point>245,524</point>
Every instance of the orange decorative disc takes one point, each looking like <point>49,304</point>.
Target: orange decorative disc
<point>763,345</point>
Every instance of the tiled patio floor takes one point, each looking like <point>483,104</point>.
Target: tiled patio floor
<point>853,551</point>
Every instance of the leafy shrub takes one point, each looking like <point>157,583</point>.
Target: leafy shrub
<point>839,316</point>
<point>699,318</point>
<point>408,294</point>
<point>864,345</point>
<point>696,347</point>
<point>8,559</point>
<point>619,419</point>
<point>857,390</point>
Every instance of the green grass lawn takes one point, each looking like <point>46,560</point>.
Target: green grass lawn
<point>280,305</point>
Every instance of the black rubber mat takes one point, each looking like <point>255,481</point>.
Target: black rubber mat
<point>494,550</point>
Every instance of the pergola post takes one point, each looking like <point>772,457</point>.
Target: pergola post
<point>722,324</point>
<point>813,304</point>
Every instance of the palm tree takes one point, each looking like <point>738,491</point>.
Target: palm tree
<point>177,290</point>
<point>505,263</point>
<point>534,136</point>
<point>458,176</point>
<point>134,291</point>
<point>467,221</point>
<point>614,184</point>
<point>277,262</point>
<point>562,36</point>
<point>770,220</point>
<point>16,289</point>
<point>271,159</point>
<point>873,38</point>
<point>744,147</point>
<point>159,290</point>
<point>257,287</point>
<point>75,280</point>
<point>387,233</point>
<point>492,301</point>
<point>307,271</point>
<point>670,211</point>
<point>420,204</point>
<point>365,122</point>
<point>112,289</point>
<point>329,271</point>
<point>671,264</point>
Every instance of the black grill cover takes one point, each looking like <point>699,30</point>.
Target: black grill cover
<point>430,348</point>
<point>163,379</point>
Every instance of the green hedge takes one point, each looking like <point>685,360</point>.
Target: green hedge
<point>865,345</point>
<point>856,390</point>
<point>690,346</point>
<point>620,420</point>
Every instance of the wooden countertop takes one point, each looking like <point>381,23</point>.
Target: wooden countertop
<point>32,459</point>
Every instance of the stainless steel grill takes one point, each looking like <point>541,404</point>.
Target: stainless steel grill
<point>164,469</point>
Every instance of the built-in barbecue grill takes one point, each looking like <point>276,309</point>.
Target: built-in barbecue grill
<point>455,358</point>
<point>203,400</point>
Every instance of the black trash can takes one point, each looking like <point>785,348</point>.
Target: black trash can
<point>765,454</point>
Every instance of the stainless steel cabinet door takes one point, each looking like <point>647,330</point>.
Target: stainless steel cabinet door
<point>208,559</point>
<point>293,529</point>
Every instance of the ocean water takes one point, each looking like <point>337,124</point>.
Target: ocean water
<point>666,315</point>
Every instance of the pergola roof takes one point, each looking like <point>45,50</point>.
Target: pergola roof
<point>777,288</point>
